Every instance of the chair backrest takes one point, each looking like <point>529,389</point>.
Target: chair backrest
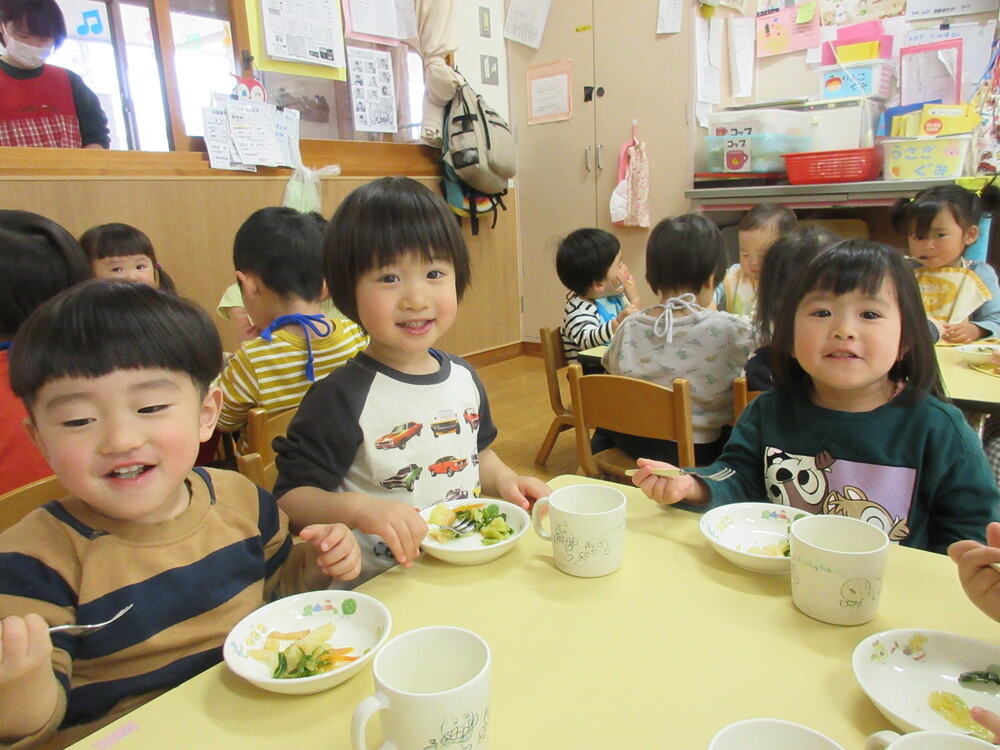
<point>263,427</point>
<point>18,503</point>
<point>632,406</point>
<point>849,229</point>
<point>554,357</point>
<point>253,468</point>
<point>742,396</point>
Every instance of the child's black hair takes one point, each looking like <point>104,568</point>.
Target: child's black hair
<point>38,259</point>
<point>104,325</point>
<point>117,240</point>
<point>284,249</point>
<point>684,253</point>
<point>382,221</point>
<point>787,255</point>
<point>37,17</point>
<point>915,216</point>
<point>862,265</point>
<point>769,215</point>
<point>584,257</point>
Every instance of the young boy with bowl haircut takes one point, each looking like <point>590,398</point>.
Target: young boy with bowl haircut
<point>116,379</point>
<point>402,425</point>
<point>278,255</point>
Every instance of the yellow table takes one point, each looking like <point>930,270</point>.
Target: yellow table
<point>967,388</point>
<point>661,654</point>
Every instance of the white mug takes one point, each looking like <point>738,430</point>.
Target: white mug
<point>889,740</point>
<point>838,564</point>
<point>587,523</point>
<point>770,734</point>
<point>432,687</point>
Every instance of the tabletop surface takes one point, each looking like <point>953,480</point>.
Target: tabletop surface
<point>662,653</point>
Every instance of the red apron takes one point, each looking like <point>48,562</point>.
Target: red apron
<point>39,111</point>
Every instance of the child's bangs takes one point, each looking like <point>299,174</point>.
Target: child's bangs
<point>847,268</point>
<point>394,240</point>
<point>922,214</point>
<point>107,326</point>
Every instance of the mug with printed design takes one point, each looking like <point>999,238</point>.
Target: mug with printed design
<point>586,528</point>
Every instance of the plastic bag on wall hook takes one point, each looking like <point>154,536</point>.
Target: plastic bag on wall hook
<point>303,189</point>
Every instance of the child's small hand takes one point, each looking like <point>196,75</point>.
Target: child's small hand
<point>337,552</point>
<point>666,490</point>
<point>989,720</point>
<point>399,525</point>
<point>960,333</point>
<point>523,491</point>
<point>629,309</point>
<point>25,646</point>
<point>980,581</point>
<point>631,289</point>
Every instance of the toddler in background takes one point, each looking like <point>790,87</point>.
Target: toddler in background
<point>402,425</point>
<point>961,296</point>
<point>38,259</point>
<point>232,308</point>
<point>760,227</point>
<point>853,426</point>
<point>602,292</point>
<point>116,378</point>
<point>791,252</point>
<point>278,256</point>
<point>120,251</point>
<point>681,337</point>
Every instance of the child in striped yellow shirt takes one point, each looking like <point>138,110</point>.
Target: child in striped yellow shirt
<point>278,258</point>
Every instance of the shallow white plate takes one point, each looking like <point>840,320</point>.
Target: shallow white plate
<point>899,669</point>
<point>469,549</point>
<point>735,528</point>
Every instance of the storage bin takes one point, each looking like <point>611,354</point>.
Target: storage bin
<point>926,158</point>
<point>760,122</point>
<point>752,153</point>
<point>848,165</point>
<point>874,78</point>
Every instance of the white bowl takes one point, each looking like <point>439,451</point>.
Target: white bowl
<point>360,621</point>
<point>470,550</point>
<point>733,529</point>
<point>899,669</point>
<point>978,354</point>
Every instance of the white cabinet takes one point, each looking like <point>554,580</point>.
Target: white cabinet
<point>568,169</point>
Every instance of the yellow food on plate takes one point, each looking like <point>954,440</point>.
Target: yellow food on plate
<point>778,549</point>
<point>956,711</point>
<point>308,654</point>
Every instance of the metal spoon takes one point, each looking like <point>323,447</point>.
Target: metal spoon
<point>87,629</point>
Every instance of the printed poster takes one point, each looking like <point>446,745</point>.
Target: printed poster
<point>373,91</point>
<point>788,29</point>
<point>307,31</point>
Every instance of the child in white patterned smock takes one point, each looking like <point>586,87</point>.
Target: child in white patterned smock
<point>680,337</point>
<point>961,297</point>
<point>760,227</point>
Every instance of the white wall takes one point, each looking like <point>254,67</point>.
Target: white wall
<point>474,45</point>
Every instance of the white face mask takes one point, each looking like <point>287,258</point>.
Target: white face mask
<point>23,54</point>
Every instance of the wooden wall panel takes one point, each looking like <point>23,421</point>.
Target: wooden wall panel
<point>192,220</point>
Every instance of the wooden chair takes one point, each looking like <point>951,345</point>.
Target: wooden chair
<point>742,397</point>
<point>264,426</point>
<point>18,503</point>
<point>849,229</point>
<point>633,406</point>
<point>253,468</point>
<point>554,357</point>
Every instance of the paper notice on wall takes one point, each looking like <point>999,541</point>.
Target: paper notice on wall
<point>787,29</point>
<point>916,9</point>
<point>395,19</point>
<point>252,131</point>
<point>526,21</point>
<point>286,131</point>
<point>668,17</point>
<point>976,42</point>
<point>549,92</point>
<point>373,91</point>
<point>741,58</point>
<point>708,76</point>
<point>216,128</point>
<point>307,31</point>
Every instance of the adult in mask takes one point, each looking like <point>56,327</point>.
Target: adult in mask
<point>43,105</point>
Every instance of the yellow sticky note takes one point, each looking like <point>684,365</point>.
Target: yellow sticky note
<point>804,12</point>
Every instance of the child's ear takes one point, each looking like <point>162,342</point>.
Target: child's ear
<point>248,284</point>
<point>971,234</point>
<point>211,405</point>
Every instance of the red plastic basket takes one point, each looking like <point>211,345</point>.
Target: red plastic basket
<point>849,165</point>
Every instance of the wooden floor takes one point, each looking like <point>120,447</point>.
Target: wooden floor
<point>519,401</point>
